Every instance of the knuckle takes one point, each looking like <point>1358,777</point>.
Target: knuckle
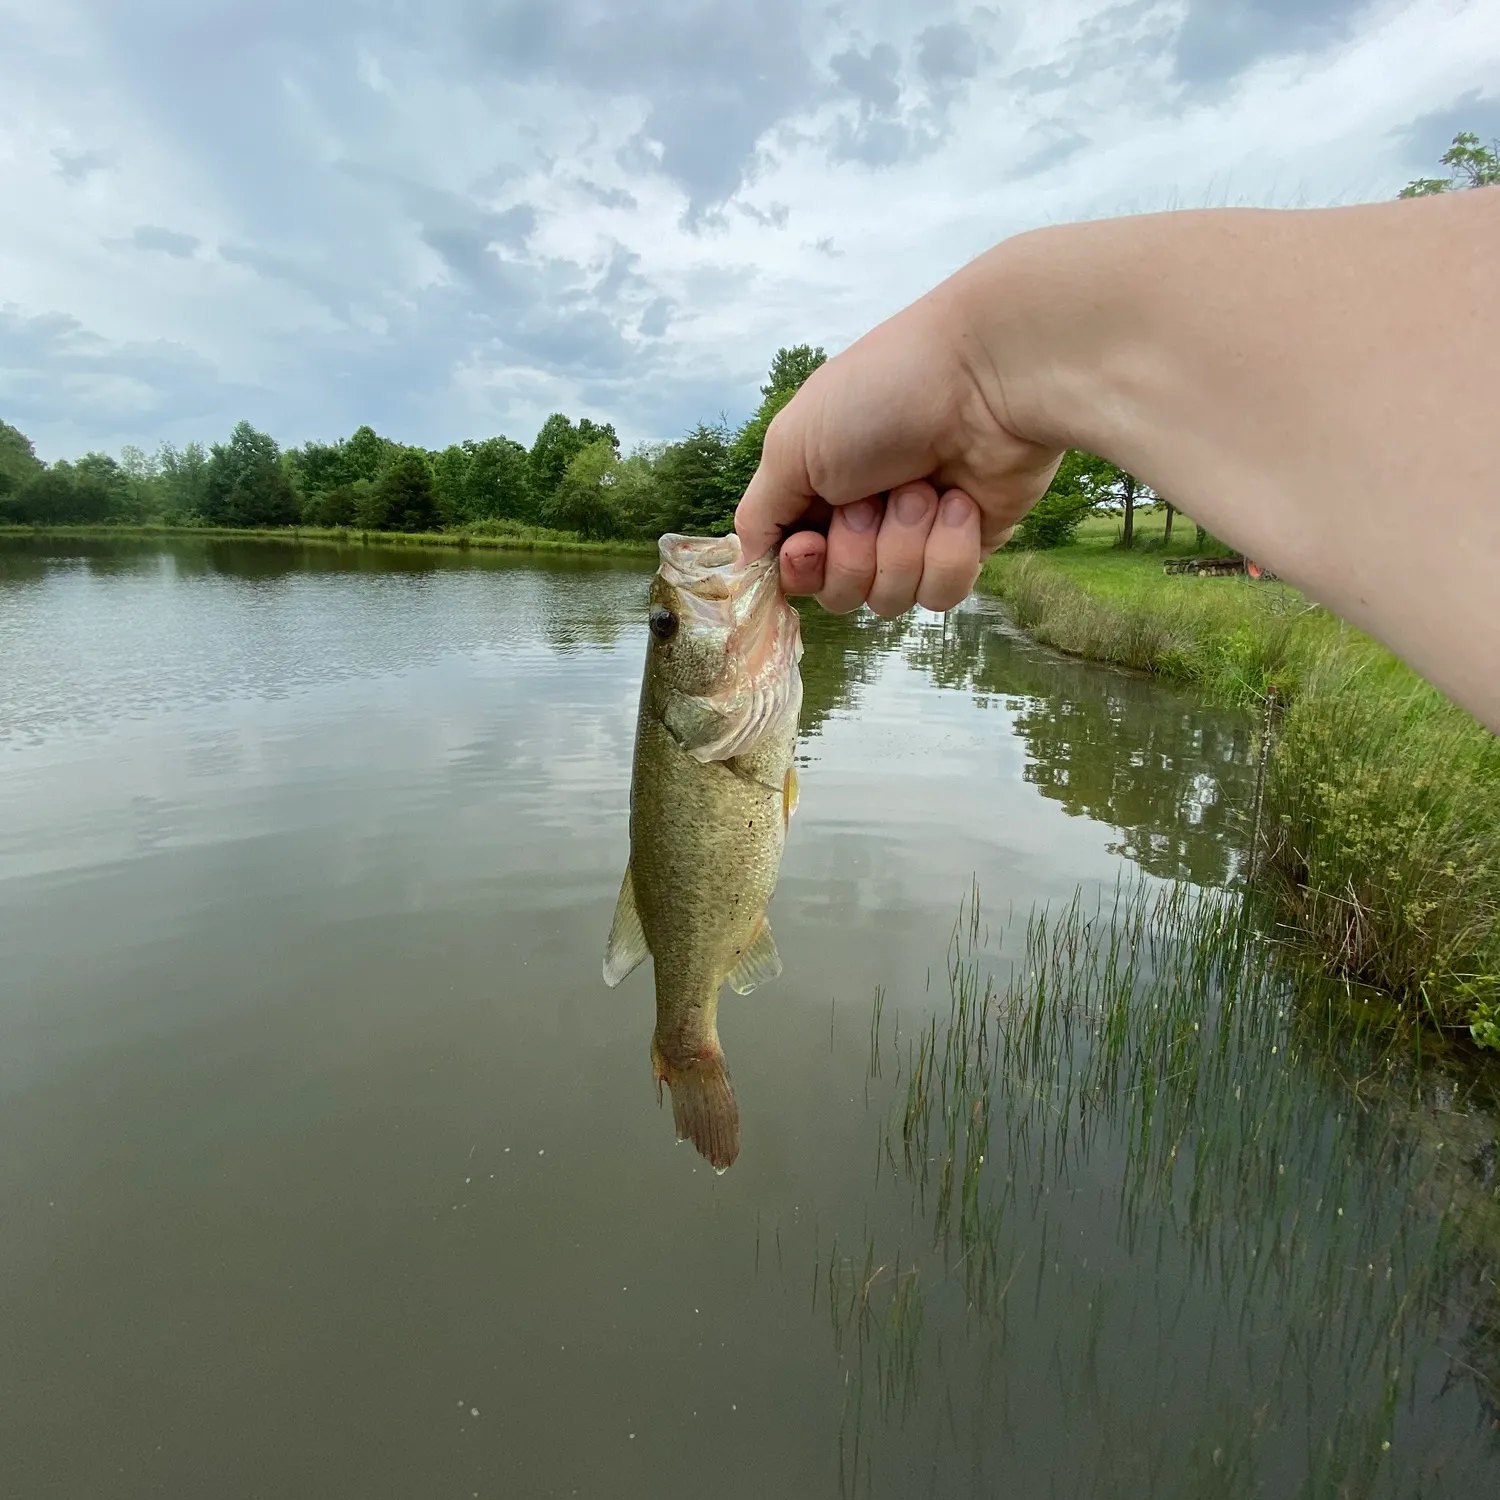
<point>851,570</point>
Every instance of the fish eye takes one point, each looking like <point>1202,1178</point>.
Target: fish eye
<point>663,622</point>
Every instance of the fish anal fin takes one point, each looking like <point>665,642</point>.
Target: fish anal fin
<point>626,949</point>
<point>704,1108</point>
<point>790,795</point>
<point>759,962</point>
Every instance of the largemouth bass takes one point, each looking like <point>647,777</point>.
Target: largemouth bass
<point>711,793</point>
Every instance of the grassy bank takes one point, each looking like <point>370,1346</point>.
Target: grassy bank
<point>509,536</point>
<point>1379,854</point>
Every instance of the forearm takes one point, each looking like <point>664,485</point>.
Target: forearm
<point>1317,387</point>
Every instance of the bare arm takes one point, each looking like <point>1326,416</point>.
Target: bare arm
<point>1319,387</point>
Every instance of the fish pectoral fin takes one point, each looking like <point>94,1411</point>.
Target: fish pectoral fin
<point>626,949</point>
<point>758,963</point>
<point>790,795</point>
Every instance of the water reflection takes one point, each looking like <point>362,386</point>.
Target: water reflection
<point>106,628</point>
<point>1171,774</point>
<point>841,654</point>
<point>1139,1177</point>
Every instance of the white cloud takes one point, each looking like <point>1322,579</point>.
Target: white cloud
<point>448,220</point>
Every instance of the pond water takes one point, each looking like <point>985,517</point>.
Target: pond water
<point>331,1168</point>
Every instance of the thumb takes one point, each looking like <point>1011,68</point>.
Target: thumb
<point>780,491</point>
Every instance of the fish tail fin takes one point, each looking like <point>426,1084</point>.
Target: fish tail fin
<point>704,1108</point>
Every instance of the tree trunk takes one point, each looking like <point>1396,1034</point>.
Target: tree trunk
<point>1127,537</point>
<point>1166,536</point>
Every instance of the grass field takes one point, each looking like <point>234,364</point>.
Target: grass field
<point>1380,855</point>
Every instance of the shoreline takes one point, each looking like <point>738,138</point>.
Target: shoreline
<point>1374,837</point>
<point>529,539</point>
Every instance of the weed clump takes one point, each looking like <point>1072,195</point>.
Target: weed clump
<point>1383,844</point>
<point>1381,823</point>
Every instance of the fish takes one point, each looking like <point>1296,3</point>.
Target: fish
<point>713,788</point>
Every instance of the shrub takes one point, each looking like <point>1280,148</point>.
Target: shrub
<point>1384,845</point>
<point>1052,522</point>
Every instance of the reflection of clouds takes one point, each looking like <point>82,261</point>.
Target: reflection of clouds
<point>1202,794</point>
<point>105,637</point>
<point>906,797</point>
<point>1165,770</point>
<point>353,705</point>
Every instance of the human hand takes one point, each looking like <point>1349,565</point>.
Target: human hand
<point>902,449</point>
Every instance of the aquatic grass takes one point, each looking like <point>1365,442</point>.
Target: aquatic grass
<point>1376,826</point>
<point>1290,1160</point>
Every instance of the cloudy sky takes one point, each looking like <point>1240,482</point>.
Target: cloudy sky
<point>450,217</point>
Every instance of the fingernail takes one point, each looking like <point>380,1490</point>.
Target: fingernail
<point>955,510</point>
<point>911,506</point>
<point>862,515</point>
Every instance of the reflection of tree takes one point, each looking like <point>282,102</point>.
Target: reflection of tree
<point>608,610</point>
<point>33,557</point>
<point>21,562</point>
<point>1170,774</point>
<point>841,652</point>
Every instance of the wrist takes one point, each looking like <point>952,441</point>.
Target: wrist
<point>1056,341</point>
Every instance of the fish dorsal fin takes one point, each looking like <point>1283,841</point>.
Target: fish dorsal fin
<point>790,795</point>
<point>626,949</point>
<point>758,963</point>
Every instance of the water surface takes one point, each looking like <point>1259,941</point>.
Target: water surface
<point>333,1169</point>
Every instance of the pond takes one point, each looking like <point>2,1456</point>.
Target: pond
<point>331,1168</point>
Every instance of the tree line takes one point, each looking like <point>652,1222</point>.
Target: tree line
<point>573,478</point>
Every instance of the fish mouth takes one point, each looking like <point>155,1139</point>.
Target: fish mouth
<point>761,685</point>
<point>706,574</point>
<point>694,559</point>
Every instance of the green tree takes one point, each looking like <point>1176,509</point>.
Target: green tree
<point>1082,482</point>
<point>49,498</point>
<point>637,496</point>
<point>498,484</point>
<point>585,500</point>
<point>696,494</point>
<point>85,493</point>
<point>338,506</point>
<point>245,484</point>
<point>19,465</point>
<point>406,493</point>
<point>594,432</point>
<point>1469,164</point>
<point>104,488</point>
<point>143,500</point>
<point>557,444</point>
<point>316,470</point>
<point>365,455</point>
<point>182,482</point>
<point>789,370</point>
<point>450,473</point>
<point>1112,486</point>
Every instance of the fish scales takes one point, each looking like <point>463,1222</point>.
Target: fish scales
<point>712,790</point>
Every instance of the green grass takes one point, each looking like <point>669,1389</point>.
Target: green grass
<point>510,536</point>
<point>1381,823</point>
<point>1231,637</point>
